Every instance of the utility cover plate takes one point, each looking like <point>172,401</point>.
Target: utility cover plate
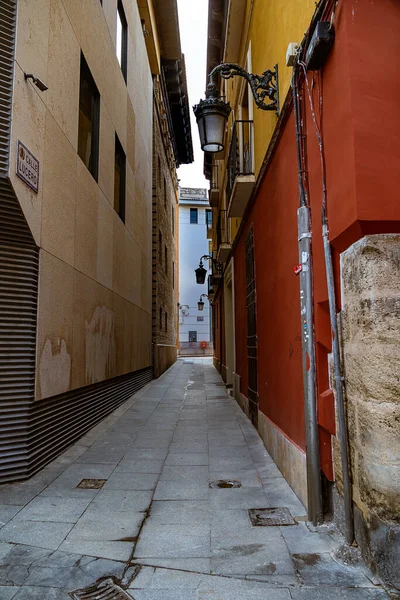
<point>225,484</point>
<point>91,484</point>
<point>271,517</point>
<point>104,590</point>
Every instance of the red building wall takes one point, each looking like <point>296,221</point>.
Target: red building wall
<point>360,88</point>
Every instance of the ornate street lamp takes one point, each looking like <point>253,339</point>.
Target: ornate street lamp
<point>200,304</point>
<point>212,113</point>
<point>201,272</point>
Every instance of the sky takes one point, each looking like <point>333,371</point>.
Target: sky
<point>193,21</point>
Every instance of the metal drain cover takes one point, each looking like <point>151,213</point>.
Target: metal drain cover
<point>91,484</point>
<point>225,484</point>
<point>104,590</point>
<point>270,517</point>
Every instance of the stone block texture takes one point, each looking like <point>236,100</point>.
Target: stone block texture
<point>95,269</point>
<point>165,239</point>
<point>370,285</point>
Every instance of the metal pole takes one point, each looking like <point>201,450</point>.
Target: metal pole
<point>314,495</point>
<point>343,435</point>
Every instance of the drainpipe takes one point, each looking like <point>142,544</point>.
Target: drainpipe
<point>314,495</point>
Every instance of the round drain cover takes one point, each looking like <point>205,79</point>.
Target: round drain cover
<point>225,484</point>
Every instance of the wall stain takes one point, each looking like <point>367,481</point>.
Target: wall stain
<point>54,369</point>
<point>100,346</point>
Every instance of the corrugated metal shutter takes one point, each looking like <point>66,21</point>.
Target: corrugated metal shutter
<point>7,43</point>
<point>34,433</point>
<point>19,266</point>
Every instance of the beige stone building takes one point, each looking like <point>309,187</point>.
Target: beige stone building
<point>171,146</point>
<point>75,215</point>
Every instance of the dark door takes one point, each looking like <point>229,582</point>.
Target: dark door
<point>252,390</point>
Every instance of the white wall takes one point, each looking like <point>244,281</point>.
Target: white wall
<point>193,244</point>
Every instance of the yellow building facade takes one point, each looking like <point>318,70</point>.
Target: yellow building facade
<point>255,35</point>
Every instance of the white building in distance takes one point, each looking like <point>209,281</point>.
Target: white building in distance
<point>194,325</point>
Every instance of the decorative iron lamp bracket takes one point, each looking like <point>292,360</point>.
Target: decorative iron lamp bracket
<point>218,265</point>
<point>265,88</point>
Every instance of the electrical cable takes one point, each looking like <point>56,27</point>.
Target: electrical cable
<point>339,380</point>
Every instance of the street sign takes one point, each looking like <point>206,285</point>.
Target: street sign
<point>27,167</point>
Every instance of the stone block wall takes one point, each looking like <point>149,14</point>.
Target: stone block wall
<point>94,314</point>
<point>370,284</point>
<point>165,236</point>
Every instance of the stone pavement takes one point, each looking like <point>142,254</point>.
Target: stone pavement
<point>154,525</point>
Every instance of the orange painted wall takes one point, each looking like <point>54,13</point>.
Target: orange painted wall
<point>361,126</point>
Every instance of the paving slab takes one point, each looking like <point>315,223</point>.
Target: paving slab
<point>7,592</point>
<point>187,459</point>
<point>184,473</point>
<point>48,508</point>
<point>121,501</point>
<point>41,593</point>
<point>173,541</point>
<point>43,534</point>
<point>184,489</point>
<point>128,480</point>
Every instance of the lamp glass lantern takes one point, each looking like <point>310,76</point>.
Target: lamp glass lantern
<point>200,305</point>
<point>211,116</point>
<point>201,273</point>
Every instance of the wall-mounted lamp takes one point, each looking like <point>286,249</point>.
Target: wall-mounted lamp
<point>200,304</point>
<point>212,113</point>
<point>184,308</point>
<point>201,272</point>
<point>38,82</point>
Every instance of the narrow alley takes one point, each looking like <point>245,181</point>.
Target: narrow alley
<point>153,504</point>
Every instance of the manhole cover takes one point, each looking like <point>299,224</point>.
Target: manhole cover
<point>225,484</point>
<point>91,484</point>
<point>104,590</point>
<point>269,517</point>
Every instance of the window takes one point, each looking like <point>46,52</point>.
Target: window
<point>166,322</point>
<point>200,318</point>
<point>166,260</point>
<point>193,215</point>
<point>89,120</point>
<point>192,336</point>
<point>173,275</point>
<point>122,39</point>
<point>173,219</point>
<point>119,179</point>
<point>208,218</point>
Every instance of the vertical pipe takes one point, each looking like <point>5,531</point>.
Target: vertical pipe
<point>315,513</point>
<point>343,435</point>
<point>314,495</point>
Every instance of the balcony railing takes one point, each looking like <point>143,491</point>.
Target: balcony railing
<point>222,228</point>
<point>214,186</point>
<point>223,243</point>
<point>240,166</point>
